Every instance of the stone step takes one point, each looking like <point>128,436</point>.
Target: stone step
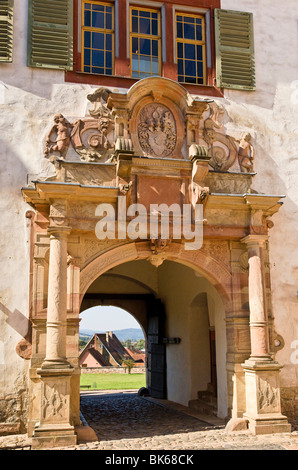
<point>207,397</point>
<point>203,407</point>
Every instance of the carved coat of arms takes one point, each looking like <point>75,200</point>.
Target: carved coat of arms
<point>157,130</point>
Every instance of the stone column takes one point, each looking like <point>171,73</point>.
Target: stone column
<point>258,316</point>
<point>57,300</point>
<point>54,427</point>
<point>263,409</point>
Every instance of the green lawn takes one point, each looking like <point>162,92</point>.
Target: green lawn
<point>113,381</point>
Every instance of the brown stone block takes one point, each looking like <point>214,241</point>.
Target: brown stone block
<point>9,428</point>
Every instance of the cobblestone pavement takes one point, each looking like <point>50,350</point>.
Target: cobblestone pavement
<point>124,421</point>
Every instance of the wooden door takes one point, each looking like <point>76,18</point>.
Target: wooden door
<point>156,350</point>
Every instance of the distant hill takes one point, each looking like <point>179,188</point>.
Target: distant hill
<point>129,333</point>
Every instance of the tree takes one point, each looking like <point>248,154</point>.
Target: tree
<point>128,364</point>
<point>140,344</point>
<point>126,343</point>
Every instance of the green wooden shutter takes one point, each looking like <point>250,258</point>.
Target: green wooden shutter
<point>235,61</point>
<point>6,30</point>
<point>50,34</point>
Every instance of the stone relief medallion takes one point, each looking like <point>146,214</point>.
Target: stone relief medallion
<point>157,131</point>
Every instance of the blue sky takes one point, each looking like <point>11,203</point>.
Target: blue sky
<point>107,319</point>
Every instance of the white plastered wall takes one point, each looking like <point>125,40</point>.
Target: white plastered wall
<point>270,114</point>
<point>188,362</point>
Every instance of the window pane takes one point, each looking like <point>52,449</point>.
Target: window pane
<point>190,68</point>
<point>155,66</point>
<point>134,25</point>
<point>144,26</point>
<point>135,62</point>
<point>145,46</point>
<point>135,45</point>
<point>145,64</point>
<point>87,57</point>
<point>98,58</point>
<point>180,49</point>
<point>87,69</point>
<point>87,39</point>
<point>108,60</point>
<point>109,44</point>
<point>109,23</point>
<point>199,33</point>
<point>98,20</point>
<point>190,51</point>
<point>189,31</point>
<point>180,67</point>
<point>98,7</point>
<point>145,14</point>
<point>98,70</point>
<point>98,41</point>
<point>154,45</point>
<point>154,28</point>
<point>200,69</point>
<point>87,18</point>
<point>190,80</point>
<point>179,30</point>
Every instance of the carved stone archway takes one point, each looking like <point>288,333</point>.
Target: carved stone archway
<point>106,156</point>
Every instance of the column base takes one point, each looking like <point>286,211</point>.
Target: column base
<point>51,436</point>
<point>56,364</point>
<point>54,428</point>
<point>268,424</point>
<point>263,407</point>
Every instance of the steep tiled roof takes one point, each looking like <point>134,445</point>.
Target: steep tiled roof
<point>98,357</point>
<point>114,347</point>
<point>137,355</point>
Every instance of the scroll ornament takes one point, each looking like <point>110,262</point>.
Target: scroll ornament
<point>226,151</point>
<point>88,136</point>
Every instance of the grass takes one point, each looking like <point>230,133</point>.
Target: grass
<point>113,381</point>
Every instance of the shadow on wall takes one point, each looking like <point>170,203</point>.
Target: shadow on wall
<point>21,325</point>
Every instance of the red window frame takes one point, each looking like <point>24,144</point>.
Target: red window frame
<point>122,76</point>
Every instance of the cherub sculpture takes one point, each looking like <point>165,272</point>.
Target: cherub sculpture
<point>245,153</point>
<point>61,128</point>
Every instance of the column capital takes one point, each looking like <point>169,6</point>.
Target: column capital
<point>253,240</point>
<point>59,231</point>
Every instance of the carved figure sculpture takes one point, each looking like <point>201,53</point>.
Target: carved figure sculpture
<point>61,128</point>
<point>246,153</point>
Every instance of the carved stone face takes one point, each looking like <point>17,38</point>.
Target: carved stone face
<point>157,131</point>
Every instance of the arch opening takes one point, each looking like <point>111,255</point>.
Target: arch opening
<point>112,347</point>
<point>182,316</point>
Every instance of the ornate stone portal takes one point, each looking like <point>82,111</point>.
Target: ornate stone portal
<point>154,144</point>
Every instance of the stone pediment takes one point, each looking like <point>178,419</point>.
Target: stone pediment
<point>155,118</point>
<point>153,125</point>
